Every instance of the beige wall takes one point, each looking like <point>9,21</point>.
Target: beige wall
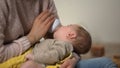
<point>100,17</point>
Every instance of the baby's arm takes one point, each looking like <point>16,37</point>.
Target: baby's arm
<point>50,56</point>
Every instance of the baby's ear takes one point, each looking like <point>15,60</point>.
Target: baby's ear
<point>71,35</point>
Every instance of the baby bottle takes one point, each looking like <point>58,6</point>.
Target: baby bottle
<point>54,25</point>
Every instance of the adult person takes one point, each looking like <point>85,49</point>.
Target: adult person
<point>22,24</point>
<point>20,29</point>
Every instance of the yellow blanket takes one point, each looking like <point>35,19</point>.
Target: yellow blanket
<point>14,62</point>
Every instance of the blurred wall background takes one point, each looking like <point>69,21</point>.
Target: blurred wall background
<point>100,17</point>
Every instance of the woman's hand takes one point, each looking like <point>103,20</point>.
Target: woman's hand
<point>70,63</point>
<point>40,26</point>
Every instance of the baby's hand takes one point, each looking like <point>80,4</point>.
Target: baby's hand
<point>29,56</point>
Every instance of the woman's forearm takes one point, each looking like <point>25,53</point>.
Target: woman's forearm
<point>13,49</point>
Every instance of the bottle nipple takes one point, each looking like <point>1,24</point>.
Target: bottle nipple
<point>54,25</point>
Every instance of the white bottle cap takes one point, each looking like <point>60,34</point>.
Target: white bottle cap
<point>55,25</point>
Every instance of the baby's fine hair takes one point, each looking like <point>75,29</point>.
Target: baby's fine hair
<point>83,42</point>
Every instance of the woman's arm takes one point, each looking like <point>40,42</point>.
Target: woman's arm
<point>16,47</point>
<point>39,29</point>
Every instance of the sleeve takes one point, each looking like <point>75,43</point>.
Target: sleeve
<point>55,52</point>
<point>16,47</point>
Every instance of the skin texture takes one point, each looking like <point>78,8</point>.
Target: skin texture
<point>65,33</point>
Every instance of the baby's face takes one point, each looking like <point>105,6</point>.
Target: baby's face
<point>62,32</point>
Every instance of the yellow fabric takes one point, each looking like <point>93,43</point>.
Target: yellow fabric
<point>54,66</point>
<point>14,62</point>
<point>17,61</point>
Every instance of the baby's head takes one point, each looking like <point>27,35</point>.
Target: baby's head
<point>76,35</point>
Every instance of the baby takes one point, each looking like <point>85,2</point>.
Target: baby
<point>67,39</point>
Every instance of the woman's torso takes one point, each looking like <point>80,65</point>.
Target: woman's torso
<point>21,14</point>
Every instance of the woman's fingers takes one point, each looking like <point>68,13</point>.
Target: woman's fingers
<point>42,14</point>
<point>45,16</point>
<point>48,22</point>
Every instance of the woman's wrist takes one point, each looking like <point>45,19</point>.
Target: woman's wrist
<point>31,39</point>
